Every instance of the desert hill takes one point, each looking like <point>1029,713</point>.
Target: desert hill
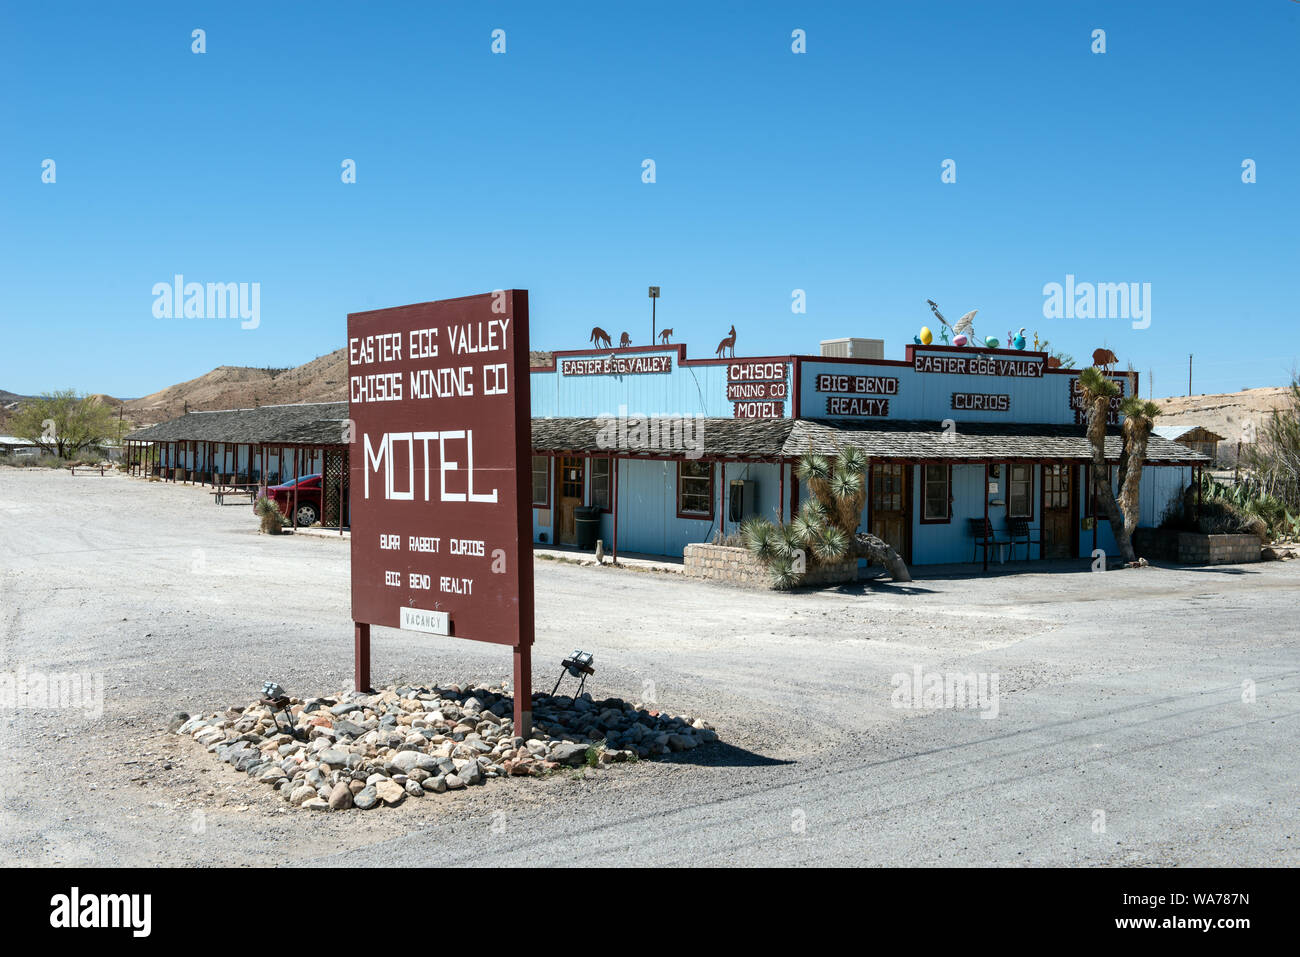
<point>1225,413</point>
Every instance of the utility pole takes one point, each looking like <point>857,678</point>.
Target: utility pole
<point>654,301</point>
<point>1189,374</point>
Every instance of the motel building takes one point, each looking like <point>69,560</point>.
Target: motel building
<point>652,450</point>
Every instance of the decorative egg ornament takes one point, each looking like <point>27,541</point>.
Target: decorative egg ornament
<point>927,336</point>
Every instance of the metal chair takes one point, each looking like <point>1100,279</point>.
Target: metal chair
<point>1022,534</point>
<point>982,533</point>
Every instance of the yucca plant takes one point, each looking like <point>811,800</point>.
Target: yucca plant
<point>825,528</point>
<point>759,536</point>
<point>809,521</point>
<point>789,543</point>
<point>273,520</point>
<point>832,545</point>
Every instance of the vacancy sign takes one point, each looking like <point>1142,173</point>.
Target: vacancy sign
<point>441,523</point>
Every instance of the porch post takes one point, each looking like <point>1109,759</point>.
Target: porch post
<point>616,510</point>
<point>295,487</point>
<point>1092,495</point>
<point>986,516</point>
<point>722,499</point>
<point>780,494</point>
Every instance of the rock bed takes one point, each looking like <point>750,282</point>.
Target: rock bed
<point>362,750</point>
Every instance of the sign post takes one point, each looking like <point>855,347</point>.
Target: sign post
<point>441,433</point>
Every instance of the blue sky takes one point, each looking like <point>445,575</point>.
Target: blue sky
<point>775,172</point>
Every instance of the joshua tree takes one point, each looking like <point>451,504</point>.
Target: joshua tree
<point>825,530</point>
<point>1139,416</point>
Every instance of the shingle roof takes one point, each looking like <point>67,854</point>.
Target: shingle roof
<point>980,441</point>
<point>313,423</point>
<point>321,424</point>
<point>898,439</point>
<point>730,438</point>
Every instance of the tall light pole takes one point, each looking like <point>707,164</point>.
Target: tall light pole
<point>654,296</point>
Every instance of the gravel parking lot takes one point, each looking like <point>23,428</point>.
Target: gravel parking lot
<point>1125,733</point>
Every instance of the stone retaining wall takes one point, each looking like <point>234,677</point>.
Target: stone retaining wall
<point>729,563</point>
<point>1194,548</point>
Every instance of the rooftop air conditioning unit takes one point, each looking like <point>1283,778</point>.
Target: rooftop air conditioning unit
<point>854,348</point>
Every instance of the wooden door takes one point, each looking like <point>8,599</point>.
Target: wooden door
<point>889,507</point>
<point>1058,512</point>
<point>570,483</point>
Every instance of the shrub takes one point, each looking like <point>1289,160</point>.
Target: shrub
<point>272,519</point>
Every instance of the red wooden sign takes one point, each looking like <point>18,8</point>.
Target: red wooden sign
<point>981,401</point>
<point>854,406</point>
<point>977,364</point>
<point>857,384</point>
<point>758,410</point>
<point>1112,407</point>
<point>617,365</point>
<point>760,371</point>
<point>441,524</point>
<point>752,391</point>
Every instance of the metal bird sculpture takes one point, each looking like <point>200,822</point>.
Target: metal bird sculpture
<point>963,329</point>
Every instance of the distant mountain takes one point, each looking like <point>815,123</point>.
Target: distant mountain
<point>323,379</point>
<point>9,402</point>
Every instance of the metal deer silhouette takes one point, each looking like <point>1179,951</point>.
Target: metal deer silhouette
<point>599,335</point>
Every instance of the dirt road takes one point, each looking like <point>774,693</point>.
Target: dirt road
<point>1123,734</point>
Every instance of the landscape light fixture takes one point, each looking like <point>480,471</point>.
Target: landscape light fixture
<point>274,697</point>
<point>577,664</point>
<point>654,296</point>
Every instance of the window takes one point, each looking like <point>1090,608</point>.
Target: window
<point>600,484</point>
<point>1020,483</point>
<point>694,490</point>
<point>888,487</point>
<point>541,481</point>
<point>1056,487</point>
<point>938,496</point>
